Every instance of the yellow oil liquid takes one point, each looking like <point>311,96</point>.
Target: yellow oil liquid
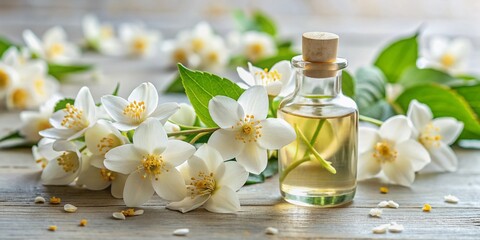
<point>303,180</point>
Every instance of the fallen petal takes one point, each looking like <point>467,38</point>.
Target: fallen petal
<point>395,228</point>
<point>382,204</point>
<point>451,199</point>
<point>69,208</point>
<point>380,229</point>
<point>271,231</point>
<point>138,212</point>
<point>375,212</point>
<point>118,215</point>
<point>39,200</point>
<point>392,204</point>
<point>181,232</point>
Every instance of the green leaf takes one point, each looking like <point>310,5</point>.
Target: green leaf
<point>471,95</point>
<point>269,62</point>
<point>253,179</point>
<point>348,84</point>
<point>397,57</point>
<point>176,86</point>
<point>202,86</point>
<point>115,92</point>
<point>264,23</point>
<point>272,167</point>
<point>370,93</point>
<point>446,102</point>
<point>59,70</point>
<point>414,76</point>
<point>241,21</point>
<point>13,135</point>
<point>62,104</point>
<point>5,44</point>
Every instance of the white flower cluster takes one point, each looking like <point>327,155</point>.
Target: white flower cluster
<point>130,150</point>
<point>404,145</point>
<point>24,82</point>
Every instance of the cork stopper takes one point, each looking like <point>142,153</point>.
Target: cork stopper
<point>319,47</point>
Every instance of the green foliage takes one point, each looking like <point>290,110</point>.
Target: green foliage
<point>13,135</point>
<point>272,169</point>
<point>60,70</point>
<point>259,21</point>
<point>284,54</point>
<point>5,44</point>
<point>348,84</point>
<point>62,104</point>
<point>413,76</point>
<point>201,87</point>
<point>397,57</point>
<point>176,86</point>
<point>115,92</point>
<point>460,103</point>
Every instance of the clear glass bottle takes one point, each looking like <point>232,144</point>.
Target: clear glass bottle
<point>320,167</point>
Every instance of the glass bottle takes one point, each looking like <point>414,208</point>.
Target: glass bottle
<point>320,167</point>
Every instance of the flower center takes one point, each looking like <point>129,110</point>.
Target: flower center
<point>108,142</point>
<point>43,124</point>
<point>430,136</point>
<point>267,77</point>
<point>107,175</point>
<point>20,98</point>
<point>255,50</point>
<point>55,50</point>
<point>106,32</point>
<point>73,118</point>
<point>213,57</point>
<point>249,129</point>
<point>43,162</point>
<point>197,44</point>
<point>153,164</point>
<point>4,79</point>
<point>39,86</point>
<point>447,60</point>
<point>202,184</point>
<point>135,111</point>
<point>384,152</point>
<point>68,161</point>
<point>140,45</point>
<point>180,56</point>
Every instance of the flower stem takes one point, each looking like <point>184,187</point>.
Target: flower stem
<point>327,165</point>
<point>193,131</point>
<point>195,139</point>
<point>270,106</point>
<point>293,166</point>
<point>184,126</point>
<point>370,120</point>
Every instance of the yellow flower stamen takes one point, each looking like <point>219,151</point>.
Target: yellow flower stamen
<point>106,32</point>
<point>107,175</point>
<point>55,50</point>
<point>268,77</point>
<point>52,228</point>
<point>135,111</point>
<point>447,60</point>
<point>180,56</point>
<point>140,45</point>
<point>249,129</point>
<point>384,152</point>
<point>203,184</point>
<point>430,136</point>
<point>384,190</point>
<point>55,200</point>
<point>68,161</point>
<point>255,50</point>
<point>4,79</point>
<point>43,162</point>
<point>426,207</point>
<point>197,44</point>
<point>213,57</point>
<point>74,118</point>
<point>108,142</point>
<point>153,164</point>
<point>83,222</point>
<point>20,98</point>
<point>39,86</point>
<point>128,212</point>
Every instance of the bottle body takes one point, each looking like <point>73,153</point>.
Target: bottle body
<point>320,167</point>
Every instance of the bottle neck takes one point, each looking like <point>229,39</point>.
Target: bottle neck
<point>318,87</point>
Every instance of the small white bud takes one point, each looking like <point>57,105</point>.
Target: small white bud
<point>39,199</point>
<point>271,231</point>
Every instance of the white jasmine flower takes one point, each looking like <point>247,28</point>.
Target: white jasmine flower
<point>142,104</point>
<point>256,45</point>
<point>42,157</point>
<point>211,183</point>
<point>185,115</point>
<point>178,51</point>
<point>64,164</point>
<point>53,47</point>
<point>94,178</point>
<point>33,122</point>
<point>150,163</point>
<point>200,37</point>
<point>101,36</point>
<point>449,55</point>
<point>435,135</point>
<point>9,77</point>
<point>72,122</point>
<point>138,40</point>
<point>245,132</point>
<point>274,80</point>
<point>215,55</point>
<point>391,151</point>
<point>17,58</point>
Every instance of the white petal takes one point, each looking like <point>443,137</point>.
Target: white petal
<point>114,106</point>
<point>55,133</point>
<point>118,185</point>
<point>57,118</point>
<point>62,145</point>
<point>414,152</point>
<point>247,77</point>
<point>92,179</point>
<point>84,101</point>
<point>254,102</point>
<point>150,137</point>
<point>124,126</point>
<point>138,190</point>
<point>225,143</point>
<point>443,160</point>
<point>185,115</point>
<point>170,185</point>
<point>196,166</point>
<point>368,166</point>
<point>276,133</point>
<point>123,159</point>
<point>188,203</point>
<point>177,152</point>
<point>164,111</point>
<point>420,114</point>
<point>147,93</point>
<point>449,127</point>
<point>285,70</point>
<point>395,129</point>
<point>234,177</point>
<point>253,158</point>
<point>368,137</point>
<point>210,156</point>
<point>33,42</point>
<point>97,161</point>
<point>400,171</point>
<point>274,88</point>
<point>54,34</point>
<point>224,200</point>
<point>438,46</point>
<point>225,111</point>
